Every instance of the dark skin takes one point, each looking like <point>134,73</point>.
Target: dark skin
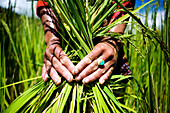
<point>56,61</point>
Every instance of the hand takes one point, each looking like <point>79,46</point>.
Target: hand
<point>88,69</point>
<point>56,62</point>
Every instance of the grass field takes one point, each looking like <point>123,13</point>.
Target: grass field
<point>22,47</point>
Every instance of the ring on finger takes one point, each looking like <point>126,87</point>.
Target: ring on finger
<point>100,62</point>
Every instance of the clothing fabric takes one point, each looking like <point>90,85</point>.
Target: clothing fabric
<point>122,66</point>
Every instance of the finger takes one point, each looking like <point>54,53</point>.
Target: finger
<point>105,76</point>
<point>89,58</point>
<point>44,73</point>
<point>87,71</point>
<point>48,65</point>
<point>57,65</point>
<point>60,54</point>
<point>54,75</point>
<point>48,55</point>
<point>62,69</point>
<point>96,74</point>
<point>107,55</point>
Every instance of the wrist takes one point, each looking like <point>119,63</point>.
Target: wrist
<point>114,43</point>
<point>51,40</point>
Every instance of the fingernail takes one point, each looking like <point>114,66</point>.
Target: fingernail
<point>43,79</point>
<point>56,81</point>
<point>102,81</point>
<point>70,79</point>
<point>85,81</point>
<point>46,75</point>
<point>77,78</point>
<point>88,60</point>
<point>75,72</point>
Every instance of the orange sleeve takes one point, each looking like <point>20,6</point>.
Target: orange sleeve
<point>41,4</point>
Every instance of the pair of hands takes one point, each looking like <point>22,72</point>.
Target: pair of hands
<point>57,63</point>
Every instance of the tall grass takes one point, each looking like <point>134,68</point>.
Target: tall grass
<point>22,47</point>
<point>151,71</point>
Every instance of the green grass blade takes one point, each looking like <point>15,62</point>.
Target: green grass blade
<point>20,82</point>
<point>123,78</point>
<point>65,96</point>
<point>102,101</point>
<point>12,42</point>
<point>73,101</point>
<point>98,23</point>
<point>79,22</point>
<point>130,109</point>
<point>78,98</point>
<point>121,19</point>
<point>84,104</point>
<point>82,42</point>
<point>24,98</point>
<point>95,106</point>
<point>113,98</point>
<point>106,98</point>
<point>99,107</point>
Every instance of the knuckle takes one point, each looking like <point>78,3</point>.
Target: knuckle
<point>101,47</point>
<point>102,71</point>
<point>94,66</point>
<point>51,48</point>
<point>63,60</point>
<point>87,60</point>
<point>55,64</point>
<point>44,58</point>
<point>62,54</point>
<point>114,59</point>
<point>110,53</point>
<point>46,52</point>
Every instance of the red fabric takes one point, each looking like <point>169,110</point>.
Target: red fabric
<point>41,3</point>
<point>127,4</point>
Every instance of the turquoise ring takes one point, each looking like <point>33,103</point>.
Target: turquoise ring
<point>100,62</point>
